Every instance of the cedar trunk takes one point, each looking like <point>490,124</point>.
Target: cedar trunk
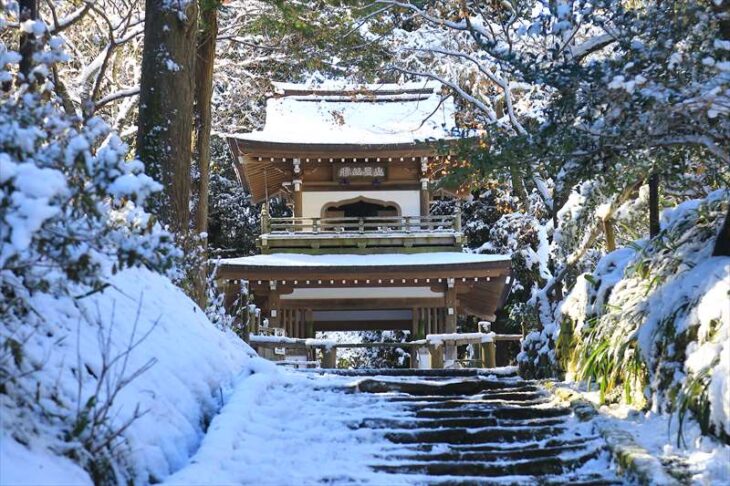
<point>722,243</point>
<point>207,33</point>
<point>28,11</point>
<point>164,137</point>
<point>654,226</point>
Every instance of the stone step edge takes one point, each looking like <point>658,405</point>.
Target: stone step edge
<point>632,459</point>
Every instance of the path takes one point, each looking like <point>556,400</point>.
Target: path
<point>397,427</point>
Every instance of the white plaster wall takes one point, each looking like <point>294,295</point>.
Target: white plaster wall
<point>314,201</point>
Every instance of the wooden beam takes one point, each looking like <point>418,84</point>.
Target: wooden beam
<point>357,304</point>
<point>395,325</point>
<point>336,186</point>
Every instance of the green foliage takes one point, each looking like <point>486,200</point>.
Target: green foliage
<point>693,399</point>
<point>606,350</point>
<point>321,37</point>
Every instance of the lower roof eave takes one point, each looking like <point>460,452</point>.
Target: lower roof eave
<point>410,266</point>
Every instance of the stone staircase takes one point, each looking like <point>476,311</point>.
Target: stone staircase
<point>470,427</point>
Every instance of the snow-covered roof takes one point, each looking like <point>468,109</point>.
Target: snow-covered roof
<point>370,114</point>
<point>371,260</point>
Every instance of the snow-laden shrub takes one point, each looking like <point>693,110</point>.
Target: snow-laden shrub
<point>70,204</point>
<point>70,218</point>
<point>652,322</point>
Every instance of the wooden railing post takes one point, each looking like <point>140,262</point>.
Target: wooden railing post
<point>457,219</point>
<point>265,219</point>
<point>315,225</point>
<point>488,355</point>
<point>437,356</point>
<point>361,224</point>
<point>329,357</point>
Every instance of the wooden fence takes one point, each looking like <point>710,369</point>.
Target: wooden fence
<point>373,224</point>
<point>437,346</point>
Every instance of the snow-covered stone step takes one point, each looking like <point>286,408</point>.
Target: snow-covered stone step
<point>533,466</point>
<point>476,404</point>
<point>512,395</point>
<point>473,436</point>
<point>593,479</point>
<point>499,454</point>
<point>515,413</point>
<point>463,422</point>
<point>501,373</point>
<point>569,439</point>
<point>428,388</point>
<point>482,430</point>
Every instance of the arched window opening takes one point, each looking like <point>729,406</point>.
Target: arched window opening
<point>361,208</point>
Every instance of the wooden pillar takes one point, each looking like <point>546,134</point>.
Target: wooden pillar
<point>450,352</point>
<point>450,301</point>
<point>309,323</point>
<point>274,305</point>
<point>425,195</point>
<point>298,198</point>
<point>414,337</point>
<point>425,198</point>
<point>309,333</point>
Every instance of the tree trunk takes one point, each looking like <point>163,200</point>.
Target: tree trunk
<point>207,33</point>
<point>610,234</point>
<point>164,137</point>
<point>654,227</point>
<point>722,243</point>
<point>518,187</point>
<point>28,11</point>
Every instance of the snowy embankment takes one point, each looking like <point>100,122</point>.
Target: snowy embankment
<point>75,352</point>
<point>651,327</point>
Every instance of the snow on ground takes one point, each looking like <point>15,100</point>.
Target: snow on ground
<point>284,428</point>
<point>708,459</point>
<point>20,465</point>
<point>192,370</point>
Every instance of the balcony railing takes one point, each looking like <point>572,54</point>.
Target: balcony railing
<point>374,224</point>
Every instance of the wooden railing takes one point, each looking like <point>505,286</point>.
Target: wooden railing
<point>434,345</point>
<point>374,224</point>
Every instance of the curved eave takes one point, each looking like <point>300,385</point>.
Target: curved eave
<point>259,148</point>
<point>228,270</point>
